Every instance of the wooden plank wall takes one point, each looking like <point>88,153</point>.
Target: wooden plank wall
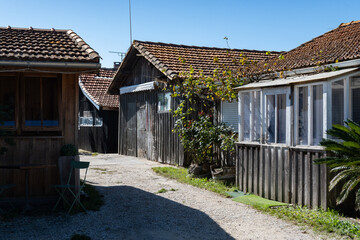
<point>282,174</point>
<point>162,144</point>
<point>32,150</point>
<point>42,149</point>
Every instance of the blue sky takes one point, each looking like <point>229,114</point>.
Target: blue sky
<point>262,25</point>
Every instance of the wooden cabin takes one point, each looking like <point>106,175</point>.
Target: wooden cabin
<point>145,121</point>
<point>283,120</point>
<point>39,72</point>
<point>98,113</point>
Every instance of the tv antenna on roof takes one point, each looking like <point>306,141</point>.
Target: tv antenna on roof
<point>120,54</point>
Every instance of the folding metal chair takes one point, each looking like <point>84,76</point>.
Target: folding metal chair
<point>63,189</point>
<point>3,188</point>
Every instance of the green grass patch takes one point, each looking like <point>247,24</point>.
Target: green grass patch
<point>258,202</point>
<point>181,175</point>
<point>329,221</point>
<point>163,190</point>
<point>325,221</point>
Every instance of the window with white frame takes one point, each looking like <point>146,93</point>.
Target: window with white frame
<point>275,118</point>
<point>86,119</point>
<point>250,116</point>
<point>230,114</point>
<point>164,101</point>
<point>337,102</point>
<point>309,114</point>
<point>355,98</point>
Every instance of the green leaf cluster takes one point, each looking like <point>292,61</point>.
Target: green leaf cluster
<point>344,159</point>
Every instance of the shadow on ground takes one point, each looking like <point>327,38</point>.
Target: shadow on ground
<point>128,213</point>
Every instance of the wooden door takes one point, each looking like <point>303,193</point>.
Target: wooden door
<point>131,129</point>
<point>142,126</point>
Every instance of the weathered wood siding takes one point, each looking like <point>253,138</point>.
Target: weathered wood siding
<point>143,132</point>
<point>282,174</point>
<point>42,149</point>
<point>99,139</point>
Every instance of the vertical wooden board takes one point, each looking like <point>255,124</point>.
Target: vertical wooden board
<point>315,182</point>
<point>287,176</point>
<point>324,183</point>
<point>68,98</point>
<point>246,169</point>
<point>301,183</point>
<point>280,175</point>
<point>267,175</point>
<point>141,131</point>
<point>256,170</point>
<point>294,177</point>
<point>251,169</point>
<point>308,175</point>
<point>261,171</point>
<point>241,168</point>
<point>274,170</point>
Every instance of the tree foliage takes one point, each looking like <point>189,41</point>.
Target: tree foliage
<point>345,159</point>
<point>199,90</point>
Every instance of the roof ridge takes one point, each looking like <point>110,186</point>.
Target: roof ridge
<point>81,43</point>
<point>349,23</point>
<point>203,47</point>
<point>35,29</point>
<point>154,60</point>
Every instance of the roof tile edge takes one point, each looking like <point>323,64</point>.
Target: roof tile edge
<point>82,44</point>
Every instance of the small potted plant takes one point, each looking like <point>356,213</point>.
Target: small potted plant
<point>68,153</point>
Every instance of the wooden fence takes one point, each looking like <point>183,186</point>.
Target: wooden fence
<point>285,174</point>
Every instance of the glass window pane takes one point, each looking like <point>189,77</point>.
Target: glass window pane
<point>303,116</point>
<point>7,100</point>
<point>337,102</point>
<point>270,118</point>
<point>32,102</point>
<point>317,114</point>
<point>164,101</point>
<point>50,103</point>
<point>245,103</point>
<point>355,99</point>
<point>281,112</point>
<point>256,116</point>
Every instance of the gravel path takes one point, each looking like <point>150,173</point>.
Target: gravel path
<point>134,210</point>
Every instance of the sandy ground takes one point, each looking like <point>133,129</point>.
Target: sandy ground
<point>134,210</point>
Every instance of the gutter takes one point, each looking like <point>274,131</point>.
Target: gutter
<point>29,64</point>
<point>345,64</point>
<point>81,85</point>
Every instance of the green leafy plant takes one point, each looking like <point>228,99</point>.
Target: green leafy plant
<point>344,159</point>
<point>69,150</point>
<point>200,136</point>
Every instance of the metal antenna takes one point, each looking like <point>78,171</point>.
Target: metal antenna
<point>130,22</point>
<point>120,54</point>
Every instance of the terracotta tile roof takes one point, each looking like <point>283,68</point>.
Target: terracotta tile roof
<point>96,85</point>
<point>48,45</point>
<point>340,44</point>
<point>165,57</point>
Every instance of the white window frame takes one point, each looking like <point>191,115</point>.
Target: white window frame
<point>326,103</point>
<point>168,106</point>
<point>348,100</point>
<point>276,91</point>
<point>222,115</point>
<point>241,119</point>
